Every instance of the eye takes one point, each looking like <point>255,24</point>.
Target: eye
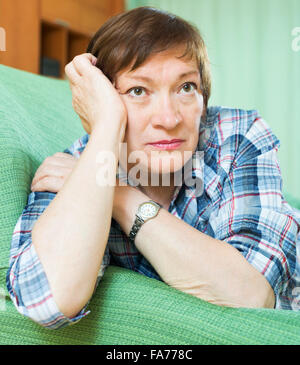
<point>188,87</point>
<point>136,91</point>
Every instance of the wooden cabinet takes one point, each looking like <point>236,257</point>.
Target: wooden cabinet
<point>21,22</point>
<point>52,29</point>
<point>65,12</point>
<point>79,15</point>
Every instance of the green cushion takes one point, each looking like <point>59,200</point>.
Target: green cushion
<point>36,120</point>
<point>129,308</point>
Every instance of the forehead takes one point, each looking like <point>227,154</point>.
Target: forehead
<point>169,62</point>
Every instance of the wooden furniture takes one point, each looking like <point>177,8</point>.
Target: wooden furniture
<point>55,29</point>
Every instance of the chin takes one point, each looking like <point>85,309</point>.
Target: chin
<point>162,171</point>
<point>160,166</point>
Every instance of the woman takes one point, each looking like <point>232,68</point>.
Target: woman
<point>145,81</point>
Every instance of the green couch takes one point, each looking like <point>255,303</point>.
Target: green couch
<point>37,120</point>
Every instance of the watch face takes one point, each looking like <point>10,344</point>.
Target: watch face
<point>148,210</point>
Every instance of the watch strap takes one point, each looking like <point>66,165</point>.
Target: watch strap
<point>135,228</point>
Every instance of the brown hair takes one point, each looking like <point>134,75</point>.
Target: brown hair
<point>133,36</point>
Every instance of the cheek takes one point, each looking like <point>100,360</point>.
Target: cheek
<point>197,112</point>
<point>199,107</point>
<point>193,118</point>
<point>191,105</point>
<point>135,126</point>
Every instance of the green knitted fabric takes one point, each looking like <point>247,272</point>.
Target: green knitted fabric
<point>36,120</point>
<point>129,308</point>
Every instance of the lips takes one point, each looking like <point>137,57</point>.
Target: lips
<point>167,144</point>
<point>165,141</point>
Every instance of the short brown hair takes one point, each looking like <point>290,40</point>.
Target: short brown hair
<point>132,36</point>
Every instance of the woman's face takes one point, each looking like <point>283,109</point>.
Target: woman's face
<point>164,102</point>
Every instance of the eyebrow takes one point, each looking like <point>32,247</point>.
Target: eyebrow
<point>181,76</point>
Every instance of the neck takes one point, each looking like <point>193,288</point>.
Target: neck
<point>161,193</point>
<point>156,186</point>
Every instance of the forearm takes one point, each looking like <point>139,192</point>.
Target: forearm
<point>71,235</point>
<point>194,262</point>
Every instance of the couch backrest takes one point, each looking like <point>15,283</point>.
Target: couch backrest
<point>36,120</point>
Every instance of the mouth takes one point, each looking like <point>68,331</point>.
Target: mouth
<point>167,144</point>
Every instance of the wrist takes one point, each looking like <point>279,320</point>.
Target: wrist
<point>107,140</point>
<point>146,211</point>
<point>126,202</point>
<point>110,127</point>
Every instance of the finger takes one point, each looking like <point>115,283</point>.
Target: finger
<point>37,174</point>
<point>60,159</point>
<point>90,57</point>
<point>72,73</point>
<point>93,59</point>
<point>42,175</point>
<point>52,170</point>
<point>64,155</point>
<point>82,63</point>
<point>49,183</point>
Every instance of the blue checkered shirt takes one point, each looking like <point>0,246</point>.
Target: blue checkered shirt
<point>241,203</point>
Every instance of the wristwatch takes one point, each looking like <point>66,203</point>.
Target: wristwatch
<point>146,211</point>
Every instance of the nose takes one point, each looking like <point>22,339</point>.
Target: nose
<point>166,114</point>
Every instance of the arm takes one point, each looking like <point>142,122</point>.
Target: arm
<point>192,261</point>
<point>78,219</point>
<point>27,283</point>
<point>78,222</point>
<point>70,235</point>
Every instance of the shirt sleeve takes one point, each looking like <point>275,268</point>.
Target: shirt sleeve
<point>26,280</point>
<point>252,215</point>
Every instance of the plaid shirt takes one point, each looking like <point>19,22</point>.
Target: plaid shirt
<point>241,203</point>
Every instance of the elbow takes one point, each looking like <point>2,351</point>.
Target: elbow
<point>254,296</point>
<point>71,301</point>
<point>30,291</point>
<point>47,315</point>
<point>266,299</point>
<point>69,310</point>
<point>261,298</point>
<point>43,311</point>
<point>261,294</point>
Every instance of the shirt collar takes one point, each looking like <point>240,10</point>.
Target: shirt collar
<point>203,171</point>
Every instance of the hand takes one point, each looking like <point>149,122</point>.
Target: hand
<point>53,172</point>
<point>94,98</point>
